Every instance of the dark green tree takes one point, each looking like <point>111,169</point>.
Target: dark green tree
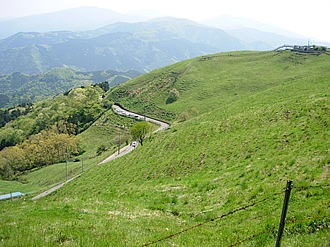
<point>173,96</point>
<point>104,85</point>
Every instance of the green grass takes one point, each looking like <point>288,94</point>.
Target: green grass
<point>251,122</point>
<point>223,79</point>
<point>105,132</point>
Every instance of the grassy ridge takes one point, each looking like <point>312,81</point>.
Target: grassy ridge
<point>207,83</point>
<point>243,125</point>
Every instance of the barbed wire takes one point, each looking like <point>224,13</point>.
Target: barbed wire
<point>299,188</point>
<point>274,229</point>
<point>213,219</point>
<point>237,210</point>
<point>305,219</point>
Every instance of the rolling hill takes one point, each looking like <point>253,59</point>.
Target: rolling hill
<point>243,124</point>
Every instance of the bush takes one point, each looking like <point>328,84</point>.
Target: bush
<point>173,96</point>
<point>100,149</point>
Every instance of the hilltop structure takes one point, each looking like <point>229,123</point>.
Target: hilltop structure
<point>303,48</point>
<point>309,48</point>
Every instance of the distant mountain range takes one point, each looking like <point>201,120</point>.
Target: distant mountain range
<point>141,46</point>
<point>92,39</point>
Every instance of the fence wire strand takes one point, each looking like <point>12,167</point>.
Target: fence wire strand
<point>273,229</point>
<point>213,219</point>
<point>299,188</point>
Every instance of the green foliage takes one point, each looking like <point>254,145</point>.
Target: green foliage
<point>10,137</point>
<point>261,119</point>
<point>104,85</point>
<point>69,114</point>
<point>64,115</point>
<point>7,115</point>
<point>17,88</point>
<point>100,149</point>
<point>46,148</point>
<point>173,96</point>
<point>140,130</point>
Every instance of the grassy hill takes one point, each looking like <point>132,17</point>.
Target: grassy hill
<point>243,124</point>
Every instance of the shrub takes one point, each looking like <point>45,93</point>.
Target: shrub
<point>100,149</point>
<point>173,96</point>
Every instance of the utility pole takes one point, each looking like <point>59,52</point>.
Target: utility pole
<point>67,168</point>
<point>118,142</point>
<point>144,112</point>
<point>82,165</point>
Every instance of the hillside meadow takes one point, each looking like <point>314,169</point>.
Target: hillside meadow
<point>243,124</point>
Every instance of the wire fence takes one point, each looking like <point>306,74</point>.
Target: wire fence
<point>269,230</point>
<point>272,230</point>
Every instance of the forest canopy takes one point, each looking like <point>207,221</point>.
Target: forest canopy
<point>45,148</point>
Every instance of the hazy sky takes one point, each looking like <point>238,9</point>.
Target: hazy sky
<point>309,18</point>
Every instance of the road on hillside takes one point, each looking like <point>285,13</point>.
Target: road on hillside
<point>123,151</point>
<point>117,109</point>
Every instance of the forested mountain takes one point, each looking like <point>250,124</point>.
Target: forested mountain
<point>140,46</point>
<point>17,88</point>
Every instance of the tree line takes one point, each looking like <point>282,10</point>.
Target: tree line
<point>71,112</point>
<point>40,135</point>
<point>45,148</point>
<point>49,147</point>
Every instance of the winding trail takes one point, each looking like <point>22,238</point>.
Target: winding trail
<point>123,151</point>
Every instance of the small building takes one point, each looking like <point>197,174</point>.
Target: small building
<point>309,48</point>
<point>302,48</point>
<point>10,196</point>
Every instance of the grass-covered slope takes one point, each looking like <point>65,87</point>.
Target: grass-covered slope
<point>243,125</point>
<point>217,81</point>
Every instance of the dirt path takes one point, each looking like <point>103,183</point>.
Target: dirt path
<point>123,151</point>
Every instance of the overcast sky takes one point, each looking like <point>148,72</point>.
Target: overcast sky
<point>309,18</point>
